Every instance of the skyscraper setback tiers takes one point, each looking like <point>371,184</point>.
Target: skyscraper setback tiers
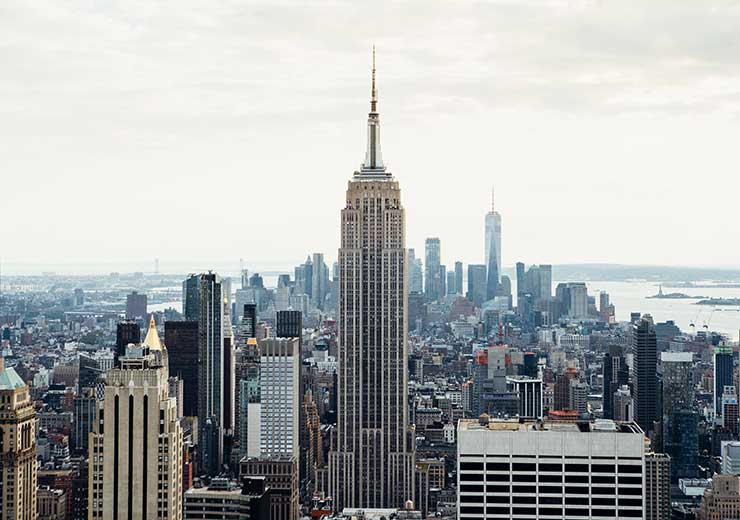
<point>372,465</point>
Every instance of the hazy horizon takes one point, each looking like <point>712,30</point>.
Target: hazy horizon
<point>171,130</point>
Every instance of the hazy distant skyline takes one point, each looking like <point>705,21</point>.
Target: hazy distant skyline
<point>207,132</point>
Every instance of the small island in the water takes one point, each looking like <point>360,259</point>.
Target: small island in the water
<point>673,296</point>
<point>719,301</point>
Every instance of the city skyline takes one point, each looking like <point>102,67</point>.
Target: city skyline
<point>652,118</point>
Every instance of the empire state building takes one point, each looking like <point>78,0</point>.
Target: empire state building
<point>372,464</point>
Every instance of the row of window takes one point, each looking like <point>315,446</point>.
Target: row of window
<point>552,467</point>
<point>548,500</point>
<point>520,512</point>
<point>551,478</point>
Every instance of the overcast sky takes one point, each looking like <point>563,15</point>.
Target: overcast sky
<point>208,131</point>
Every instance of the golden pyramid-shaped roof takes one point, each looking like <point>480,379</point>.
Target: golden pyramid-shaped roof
<point>152,337</point>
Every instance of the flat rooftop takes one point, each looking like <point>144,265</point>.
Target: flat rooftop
<point>518,425</point>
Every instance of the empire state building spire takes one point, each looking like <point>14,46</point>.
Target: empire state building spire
<point>373,164</point>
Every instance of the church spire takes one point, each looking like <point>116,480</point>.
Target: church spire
<point>373,158</point>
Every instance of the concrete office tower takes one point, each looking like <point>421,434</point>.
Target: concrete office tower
<point>476,284</point>
<point>644,372</point>
<point>203,302</point>
<point>136,306</point>
<point>722,500</point>
<point>678,389</point>
<point>17,449</point>
<point>373,462</point>
<point>493,250</point>
<point>137,443</point>
<point>432,261</point>
<point>319,280</point>
<point>459,277</point>
<point>181,338</point>
<point>722,374</point>
<point>657,486</point>
<point>560,470</point>
<point>416,273</point>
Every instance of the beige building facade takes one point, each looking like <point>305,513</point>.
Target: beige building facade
<point>137,444</point>
<point>17,448</point>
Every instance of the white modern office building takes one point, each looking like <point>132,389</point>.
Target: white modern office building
<point>528,469</point>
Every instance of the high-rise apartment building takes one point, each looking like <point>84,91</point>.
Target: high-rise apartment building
<point>17,447</point>
<point>657,486</point>
<point>432,262</point>
<point>136,306</point>
<point>280,360</point>
<point>560,470</point>
<point>372,465</point>
<point>645,376</point>
<point>493,250</point>
<point>181,338</point>
<point>136,447</point>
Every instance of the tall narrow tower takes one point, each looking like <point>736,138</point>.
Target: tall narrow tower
<point>493,250</point>
<point>17,448</point>
<point>373,462</point>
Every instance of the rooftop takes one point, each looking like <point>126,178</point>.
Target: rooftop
<point>525,425</point>
<point>10,380</point>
